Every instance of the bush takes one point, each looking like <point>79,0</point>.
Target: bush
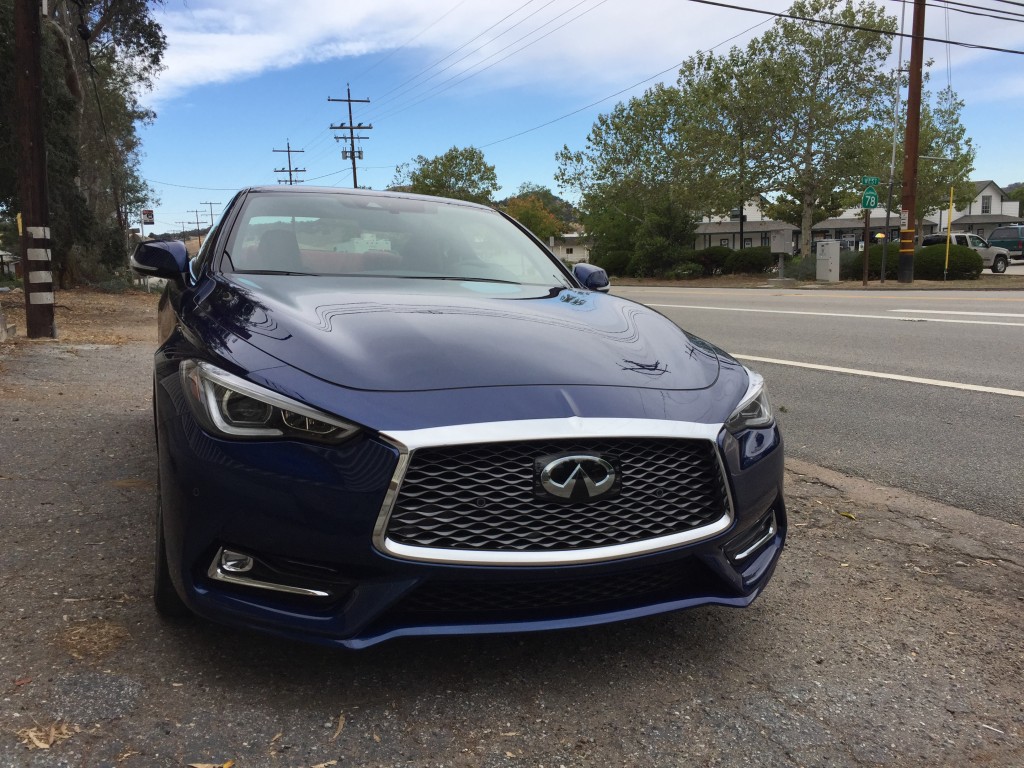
<point>749,261</point>
<point>615,263</point>
<point>688,270</point>
<point>712,259</point>
<point>851,263</point>
<point>930,263</point>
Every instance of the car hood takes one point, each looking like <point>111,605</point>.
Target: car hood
<point>391,335</point>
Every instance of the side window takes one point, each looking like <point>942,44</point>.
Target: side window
<point>1000,234</point>
<point>976,242</point>
<point>960,239</point>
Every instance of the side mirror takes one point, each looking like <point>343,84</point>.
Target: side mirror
<point>591,277</point>
<point>160,258</point>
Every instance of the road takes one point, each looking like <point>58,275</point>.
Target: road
<point>921,390</point>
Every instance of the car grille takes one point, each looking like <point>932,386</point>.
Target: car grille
<point>481,497</point>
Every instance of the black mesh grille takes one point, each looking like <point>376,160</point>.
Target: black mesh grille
<point>481,497</point>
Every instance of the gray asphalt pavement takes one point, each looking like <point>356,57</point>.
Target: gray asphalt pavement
<point>947,437</point>
<point>890,636</point>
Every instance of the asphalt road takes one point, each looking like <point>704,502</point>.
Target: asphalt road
<point>946,438</point>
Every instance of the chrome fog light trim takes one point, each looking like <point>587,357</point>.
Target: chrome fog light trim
<point>221,570</point>
<point>773,528</point>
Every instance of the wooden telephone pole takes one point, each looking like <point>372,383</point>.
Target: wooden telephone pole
<point>911,143</point>
<point>36,259</point>
<point>351,127</point>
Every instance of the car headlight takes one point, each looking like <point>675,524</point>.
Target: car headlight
<point>755,410</point>
<point>230,406</point>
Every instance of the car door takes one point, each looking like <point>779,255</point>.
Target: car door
<point>986,251</point>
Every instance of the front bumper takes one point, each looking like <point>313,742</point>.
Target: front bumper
<point>241,518</point>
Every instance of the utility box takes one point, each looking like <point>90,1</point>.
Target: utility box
<point>828,261</point>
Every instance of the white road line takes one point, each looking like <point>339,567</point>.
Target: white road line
<point>839,314</point>
<point>879,375</point>
<point>951,312</point>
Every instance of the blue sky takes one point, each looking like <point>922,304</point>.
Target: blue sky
<point>517,78</point>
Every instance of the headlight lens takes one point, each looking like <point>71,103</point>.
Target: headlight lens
<point>755,410</point>
<point>233,407</point>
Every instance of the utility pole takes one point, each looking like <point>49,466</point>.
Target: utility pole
<point>211,210</point>
<point>908,223</point>
<point>181,228</point>
<point>290,170</point>
<point>351,127</point>
<point>199,230</point>
<point>36,258</point>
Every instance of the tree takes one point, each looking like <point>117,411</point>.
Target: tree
<point>563,210</point>
<point>462,174</point>
<point>530,212</point>
<point>634,176</point>
<point>828,77</point>
<point>98,56</point>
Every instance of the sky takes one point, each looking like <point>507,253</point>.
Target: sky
<point>518,79</point>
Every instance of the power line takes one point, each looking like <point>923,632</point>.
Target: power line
<point>620,92</point>
<point>857,27</point>
<point>974,10</point>
<point>473,74</point>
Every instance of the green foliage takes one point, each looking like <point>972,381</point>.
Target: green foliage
<point>662,240</point>
<point>529,211</point>
<point>851,263</point>
<point>749,261</point>
<point>561,209</point>
<point>930,263</point>
<point>614,262</point>
<point>688,270</point>
<point>91,115</point>
<point>712,260</point>
<point>462,174</point>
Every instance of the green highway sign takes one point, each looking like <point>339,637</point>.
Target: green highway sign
<point>869,199</point>
<point>869,181</point>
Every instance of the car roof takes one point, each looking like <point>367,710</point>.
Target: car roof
<point>292,189</point>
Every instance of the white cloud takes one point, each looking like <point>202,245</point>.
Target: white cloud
<point>586,44</point>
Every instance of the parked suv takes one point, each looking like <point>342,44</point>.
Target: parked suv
<point>1010,237</point>
<point>992,257</point>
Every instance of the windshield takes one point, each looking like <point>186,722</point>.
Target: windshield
<point>324,233</point>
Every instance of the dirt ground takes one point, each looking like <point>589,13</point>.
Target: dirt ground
<point>84,316</point>
<point>891,635</point>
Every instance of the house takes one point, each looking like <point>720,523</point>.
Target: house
<point>990,208</point>
<point>571,247</point>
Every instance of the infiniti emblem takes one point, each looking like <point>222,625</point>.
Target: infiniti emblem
<point>577,477</point>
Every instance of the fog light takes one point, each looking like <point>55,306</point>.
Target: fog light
<point>235,562</point>
<point>752,540</point>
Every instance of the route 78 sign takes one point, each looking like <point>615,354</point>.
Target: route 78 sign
<point>869,199</point>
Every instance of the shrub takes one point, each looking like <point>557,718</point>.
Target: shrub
<point>930,263</point>
<point>749,261</point>
<point>688,270</point>
<point>712,259</point>
<point>615,263</point>
<point>851,263</point>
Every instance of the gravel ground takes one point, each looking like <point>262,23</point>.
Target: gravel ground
<point>890,636</point>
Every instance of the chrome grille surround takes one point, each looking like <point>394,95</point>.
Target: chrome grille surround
<point>542,433</point>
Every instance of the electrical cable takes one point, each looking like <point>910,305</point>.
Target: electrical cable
<point>857,27</point>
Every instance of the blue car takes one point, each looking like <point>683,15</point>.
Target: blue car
<point>381,414</point>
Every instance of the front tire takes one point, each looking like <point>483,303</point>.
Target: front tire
<point>999,265</point>
<point>166,599</point>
